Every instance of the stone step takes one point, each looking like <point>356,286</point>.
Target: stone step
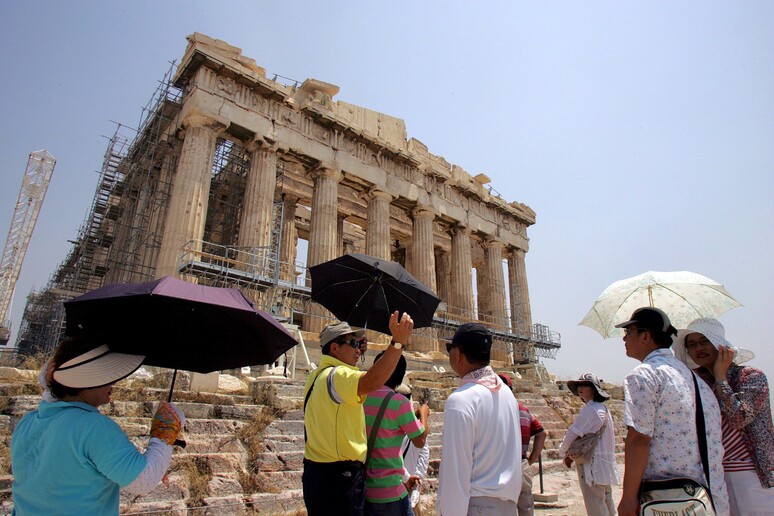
<point>230,505</point>
<point>285,427</point>
<point>19,389</point>
<point>212,426</point>
<point>221,463</point>
<point>173,491</point>
<point>282,480</point>
<point>283,443</point>
<point>291,460</point>
<point>167,508</point>
<point>288,501</point>
<point>214,443</point>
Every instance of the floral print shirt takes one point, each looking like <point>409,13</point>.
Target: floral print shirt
<point>744,404</point>
<point>659,402</point>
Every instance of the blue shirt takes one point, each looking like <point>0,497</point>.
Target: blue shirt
<point>68,458</point>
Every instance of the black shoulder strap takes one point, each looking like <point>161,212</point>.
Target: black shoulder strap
<point>309,392</point>
<point>377,422</point>
<point>407,443</point>
<point>701,435</point>
<point>311,387</point>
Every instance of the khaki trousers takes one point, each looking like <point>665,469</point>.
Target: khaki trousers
<point>526,503</point>
<point>598,499</point>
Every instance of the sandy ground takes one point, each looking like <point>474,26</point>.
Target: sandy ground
<point>565,484</point>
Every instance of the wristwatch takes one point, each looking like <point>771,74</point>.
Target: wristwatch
<point>396,345</point>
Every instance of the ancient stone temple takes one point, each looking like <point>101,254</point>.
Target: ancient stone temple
<point>232,170</point>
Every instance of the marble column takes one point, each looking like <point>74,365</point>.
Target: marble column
<point>378,226</point>
<point>422,252</point>
<point>340,244</point>
<point>461,284</point>
<point>289,242</point>
<point>496,282</point>
<point>258,209</point>
<point>323,235</point>
<point>442,275</point>
<point>521,314</point>
<point>158,210</point>
<point>483,307</point>
<point>187,210</point>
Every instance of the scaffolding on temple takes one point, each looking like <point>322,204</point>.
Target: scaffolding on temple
<point>123,228</point>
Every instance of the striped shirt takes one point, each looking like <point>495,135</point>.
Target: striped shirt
<point>737,457</point>
<point>384,473</point>
<point>529,426</point>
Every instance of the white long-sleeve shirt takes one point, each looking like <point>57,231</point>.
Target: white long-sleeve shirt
<point>602,470</point>
<point>481,447</point>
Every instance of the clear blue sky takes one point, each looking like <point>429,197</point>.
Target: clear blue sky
<point>640,133</point>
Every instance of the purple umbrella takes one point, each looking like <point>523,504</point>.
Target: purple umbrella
<point>179,325</point>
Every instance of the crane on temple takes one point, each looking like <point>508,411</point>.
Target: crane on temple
<point>40,167</point>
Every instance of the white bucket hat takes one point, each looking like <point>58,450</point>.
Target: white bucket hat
<point>715,333</point>
<point>96,368</point>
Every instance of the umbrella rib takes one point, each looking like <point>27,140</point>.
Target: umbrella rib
<point>357,303</point>
<point>342,283</point>
<point>399,291</point>
<point>680,296</point>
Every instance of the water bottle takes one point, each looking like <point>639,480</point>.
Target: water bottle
<point>414,497</point>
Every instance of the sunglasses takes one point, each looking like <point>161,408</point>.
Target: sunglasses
<point>450,346</point>
<point>355,343</point>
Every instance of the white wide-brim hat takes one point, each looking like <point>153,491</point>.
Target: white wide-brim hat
<point>96,368</point>
<point>715,333</point>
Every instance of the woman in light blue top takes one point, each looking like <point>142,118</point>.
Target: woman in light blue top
<point>67,457</point>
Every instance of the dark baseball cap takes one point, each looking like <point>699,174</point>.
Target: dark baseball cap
<point>649,318</point>
<point>474,339</point>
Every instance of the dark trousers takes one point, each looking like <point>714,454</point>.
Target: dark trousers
<point>400,507</point>
<point>333,488</point>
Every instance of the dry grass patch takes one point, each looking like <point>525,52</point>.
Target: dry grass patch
<point>257,483</point>
<point>5,460</point>
<point>251,435</point>
<point>198,473</point>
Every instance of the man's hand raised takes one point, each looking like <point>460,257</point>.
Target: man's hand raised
<point>401,328</point>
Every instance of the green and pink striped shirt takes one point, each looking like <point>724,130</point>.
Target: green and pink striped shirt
<point>385,468</point>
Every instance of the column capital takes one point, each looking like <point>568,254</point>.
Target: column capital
<point>329,172</point>
<point>423,211</point>
<point>492,242</point>
<point>259,144</point>
<point>193,121</point>
<point>515,251</point>
<point>458,229</point>
<point>375,193</point>
<point>290,199</point>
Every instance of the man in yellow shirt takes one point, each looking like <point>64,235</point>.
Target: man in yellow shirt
<point>336,442</point>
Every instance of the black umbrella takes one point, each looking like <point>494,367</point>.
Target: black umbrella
<point>364,291</point>
<point>179,325</point>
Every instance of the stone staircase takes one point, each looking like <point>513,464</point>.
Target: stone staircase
<point>244,451</point>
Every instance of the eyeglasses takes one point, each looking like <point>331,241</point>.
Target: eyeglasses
<point>450,346</point>
<point>628,331</point>
<point>693,344</point>
<point>352,342</point>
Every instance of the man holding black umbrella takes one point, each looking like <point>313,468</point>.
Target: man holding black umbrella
<point>336,445</point>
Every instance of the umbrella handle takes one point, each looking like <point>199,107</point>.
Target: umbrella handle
<point>172,387</point>
<point>178,442</point>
